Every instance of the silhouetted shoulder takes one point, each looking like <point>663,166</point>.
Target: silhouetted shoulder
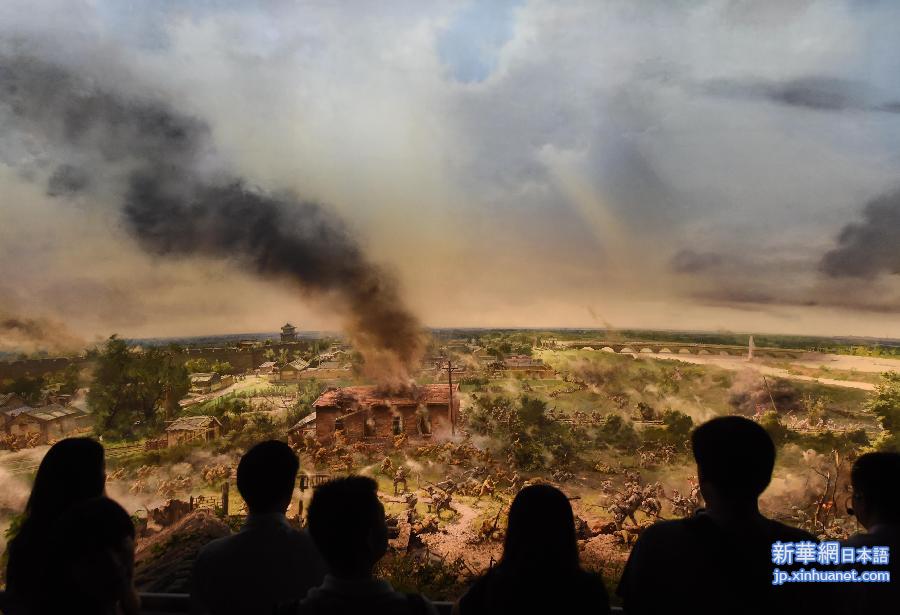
<point>583,592</point>
<point>884,535</point>
<point>672,560</point>
<point>776,531</point>
<point>657,550</point>
<point>676,529</point>
<point>267,562</point>
<point>590,587</point>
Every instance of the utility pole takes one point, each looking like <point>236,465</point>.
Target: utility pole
<point>769,391</point>
<point>450,396</point>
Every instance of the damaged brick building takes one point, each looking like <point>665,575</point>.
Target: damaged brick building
<point>372,413</point>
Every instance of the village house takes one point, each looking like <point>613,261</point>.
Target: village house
<point>305,426</point>
<point>329,370</point>
<point>290,372</point>
<point>51,422</point>
<point>267,369</point>
<point>370,413</point>
<point>11,401</point>
<point>523,362</point>
<point>9,414</point>
<point>11,405</point>
<point>192,429</point>
<point>208,382</point>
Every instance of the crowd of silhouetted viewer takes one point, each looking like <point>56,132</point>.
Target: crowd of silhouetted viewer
<point>74,551</point>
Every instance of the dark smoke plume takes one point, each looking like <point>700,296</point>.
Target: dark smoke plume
<point>870,247</point>
<point>691,261</point>
<point>817,93</point>
<point>176,201</point>
<point>36,334</point>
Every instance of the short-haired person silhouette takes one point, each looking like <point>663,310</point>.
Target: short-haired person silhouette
<point>876,504</point>
<point>72,471</point>
<point>90,562</point>
<point>719,560</point>
<point>540,570</point>
<point>268,561</point>
<point>346,521</point>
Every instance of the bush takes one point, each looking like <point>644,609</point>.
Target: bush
<point>774,427</point>
<point>618,432</point>
<point>885,404</point>
<point>439,580</point>
<point>678,424</point>
<point>676,430</point>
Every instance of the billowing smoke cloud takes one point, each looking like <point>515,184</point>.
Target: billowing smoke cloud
<point>870,247</point>
<point>36,334</point>
<point>178,199</point>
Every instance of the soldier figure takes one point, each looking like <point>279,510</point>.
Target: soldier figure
<point>626,504</point>
<point>387,466</point>
<point>681,506</point>
<point>400,478</point>
<point>347,461</point>
<point>515,483</point>
<point>617,510</point>
<point>650,503</point>
<point>487,488</point>
<point>411,501</point>
<point>440,499</point>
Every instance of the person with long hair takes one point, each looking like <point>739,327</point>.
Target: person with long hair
<point>540,569</point>
<point>72,471</point>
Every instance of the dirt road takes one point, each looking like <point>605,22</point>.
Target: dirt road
<point>456,540</point>
<point>740,364</point>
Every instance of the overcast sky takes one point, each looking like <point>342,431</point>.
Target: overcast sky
<point>691,165</point>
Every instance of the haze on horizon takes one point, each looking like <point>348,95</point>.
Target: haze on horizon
<point>699,166</point>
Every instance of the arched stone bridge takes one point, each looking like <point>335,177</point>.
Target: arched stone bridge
<point>681,348</point>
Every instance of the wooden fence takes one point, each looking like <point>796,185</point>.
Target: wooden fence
<point>310,481</point>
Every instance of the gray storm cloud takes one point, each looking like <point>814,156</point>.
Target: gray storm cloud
<point>176,200</point>
<point>871,246</point>
<point>692,261</point>
<point>563,165</point>
<point>818,93</point>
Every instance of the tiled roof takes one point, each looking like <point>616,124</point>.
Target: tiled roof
<point>203,377</point>
<point>10,399</point>
<point>306,420</point>
<point>332,365</point>
<point>16,411</point>
<point>192,423</point>
<point>52,411</point>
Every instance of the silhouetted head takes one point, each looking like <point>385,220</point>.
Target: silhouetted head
<point>540,533</point>
<point>875,496</point>
<point>735,458</point>
<point>90,558</point>
<point>346,521</point>
<point>266,476</point>
<point>73,470</point>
